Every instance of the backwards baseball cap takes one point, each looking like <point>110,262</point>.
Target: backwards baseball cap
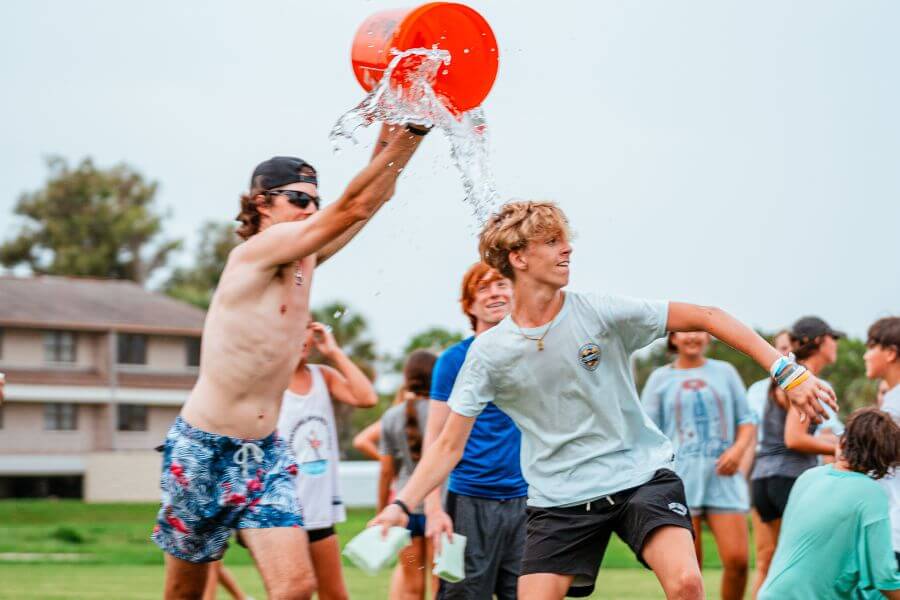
<point>282,170</point>
<point>807,329</point>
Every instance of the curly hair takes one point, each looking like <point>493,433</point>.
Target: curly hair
<point>871,442</point>
<point>249,216</point>
<point>513,226</point>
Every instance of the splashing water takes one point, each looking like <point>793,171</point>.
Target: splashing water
<point>415,101</point>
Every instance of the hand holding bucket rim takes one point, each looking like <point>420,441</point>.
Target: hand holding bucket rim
<point>474,55</point>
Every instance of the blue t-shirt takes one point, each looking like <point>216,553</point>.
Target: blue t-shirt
<point>490,464</point>
<point>700,410</point>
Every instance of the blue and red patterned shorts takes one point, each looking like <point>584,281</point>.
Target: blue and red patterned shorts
<point>213,484</point>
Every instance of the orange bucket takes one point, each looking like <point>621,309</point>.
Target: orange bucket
<point>474,55</point>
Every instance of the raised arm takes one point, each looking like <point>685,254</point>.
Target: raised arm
<point>334,246</point>
<point>432,470</point>
<point>284,243</point>
<point>807,397</point>
<point>347,384</point>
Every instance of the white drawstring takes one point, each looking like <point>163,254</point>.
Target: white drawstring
<point>248,451</point>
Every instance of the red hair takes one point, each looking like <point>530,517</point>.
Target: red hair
<point>477,274</point>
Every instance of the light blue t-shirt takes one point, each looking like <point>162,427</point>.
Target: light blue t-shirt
<point>700,410</point>
<point>757,396</point>
<point>835,540</point>
<point>584,432</point>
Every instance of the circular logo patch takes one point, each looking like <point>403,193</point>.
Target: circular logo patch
<point>589,356</point>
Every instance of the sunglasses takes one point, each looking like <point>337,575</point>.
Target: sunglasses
<point>298,199</point>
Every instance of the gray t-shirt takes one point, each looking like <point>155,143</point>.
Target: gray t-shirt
<point>584,432</point>
<point>394,443</point>
<point>773,457</point>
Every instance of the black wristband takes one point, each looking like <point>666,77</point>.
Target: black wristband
<point>417,130</point>
<point>402,506</point>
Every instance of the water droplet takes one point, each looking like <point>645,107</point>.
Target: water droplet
<point>444,72</point>
<point>371,45</point>
<point>372,33</point>
<point>493,49</point>
<point>465,50</point>
<point>443,37</point>
<point>339,313</point>
<point>391,164</point>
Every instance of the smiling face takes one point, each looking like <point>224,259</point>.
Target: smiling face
<point>491,301</point>
<point>690,344</point>
<point>544,261</point>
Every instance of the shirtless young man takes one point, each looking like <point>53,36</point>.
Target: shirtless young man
<point>224,468</point>
<point>595,463</point>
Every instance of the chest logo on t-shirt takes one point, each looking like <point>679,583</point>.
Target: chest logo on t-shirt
<point>589,356</point>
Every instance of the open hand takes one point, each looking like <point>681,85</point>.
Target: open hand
<point>810,398</point>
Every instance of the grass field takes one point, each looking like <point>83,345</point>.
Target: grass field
<point>72,550</point>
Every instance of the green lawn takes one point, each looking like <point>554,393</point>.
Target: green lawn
<point>103,551</point>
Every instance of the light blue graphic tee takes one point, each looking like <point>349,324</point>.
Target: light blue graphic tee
<point>700,410</point>
<point>584,432</point>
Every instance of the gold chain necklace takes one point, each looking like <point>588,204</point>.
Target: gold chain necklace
<point>539,340</point>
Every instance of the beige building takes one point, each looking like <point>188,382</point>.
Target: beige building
<point>96,371</point>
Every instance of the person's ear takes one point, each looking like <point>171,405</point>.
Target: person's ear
<point>517,260</point>
<point>262,207</point>
<point>893,353</point>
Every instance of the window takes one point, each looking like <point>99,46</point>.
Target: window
<point>132,349</point>
<point>192,348</point>
<point>59,346</point>
<point>132,417</point>
<point>60,417</point>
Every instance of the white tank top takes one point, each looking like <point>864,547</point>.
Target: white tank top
<point>307,425</point>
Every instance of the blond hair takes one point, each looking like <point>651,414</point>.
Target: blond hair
<point>514,225</point>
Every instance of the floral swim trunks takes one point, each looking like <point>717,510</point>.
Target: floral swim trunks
<point>213,484</point>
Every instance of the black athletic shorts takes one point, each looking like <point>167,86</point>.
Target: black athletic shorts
<point>317,535</point>
<point>573,540</point>
<point>770,496</point>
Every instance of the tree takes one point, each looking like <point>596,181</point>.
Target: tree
<point>196,284</point>
<point>90,222</point>
<point>350,331</point>
<point>436,339</point>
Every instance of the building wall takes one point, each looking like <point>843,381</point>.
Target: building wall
<point>23,430</point>
<point>25,348</point>
<point>123,476</point>
<point>159,419</point>
<point>166,353</point>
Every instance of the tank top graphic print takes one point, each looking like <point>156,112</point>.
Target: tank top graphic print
<point>307,425</point>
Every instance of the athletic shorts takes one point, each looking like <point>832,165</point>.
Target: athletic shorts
<point>573,540</point>
<point>495,539</point>
<point>770,495</point>
<point>214,484</point>
<point>317,535</point>
<point>416,525</point>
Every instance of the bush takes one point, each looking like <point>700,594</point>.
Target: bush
<point>68,535</point>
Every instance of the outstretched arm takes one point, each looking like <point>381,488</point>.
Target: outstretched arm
<point>806,397</point>
<point>334,246</point>
<point>432,470</point>
<point>284,243</point>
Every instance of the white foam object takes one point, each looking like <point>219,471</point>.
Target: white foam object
<point>372,552</point>
<point>450,563</point>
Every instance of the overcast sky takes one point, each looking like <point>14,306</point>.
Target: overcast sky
<point>739,154</point>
